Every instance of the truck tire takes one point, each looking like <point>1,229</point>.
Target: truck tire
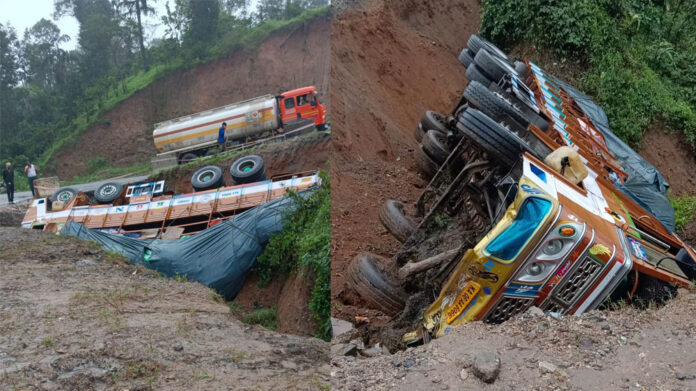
<point>521,69</point>
<point>395,221</point>
<point>427,165</point>
<point>187,157</point>
<point>476,43</point>
<point>466,57</point>
<point>418,134</point>
<point>65,194</point>
<point>500,143</point>
<point>433,120</point>
<point>492,104</point>
<point>206,178</point>
<point>491,66</point>
<point>367,277</point>
<point>473,73</point>
<point>651,290</point>
<point>248,169</point>
<point>435,145</point>
<point>108,192</point>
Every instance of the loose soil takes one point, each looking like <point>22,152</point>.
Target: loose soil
<point>288,59</point>
<point>75,317</point>
<point>390,61</point>
<point>623,349</point>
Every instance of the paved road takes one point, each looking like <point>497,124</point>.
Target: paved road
<point>26,195</point>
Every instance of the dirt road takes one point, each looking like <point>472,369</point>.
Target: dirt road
<point>74,317</point>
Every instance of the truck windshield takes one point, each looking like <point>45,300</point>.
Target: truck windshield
<point>509,243</point>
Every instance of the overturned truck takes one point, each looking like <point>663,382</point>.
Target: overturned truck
<point>532,202</point>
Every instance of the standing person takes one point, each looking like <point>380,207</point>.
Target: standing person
<point>221,137</point>
<point>30,172</point>
<point>8,178</point>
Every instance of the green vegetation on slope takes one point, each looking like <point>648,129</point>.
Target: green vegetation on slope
<point>303,246</point>
<point>684,211</point>
<point>638,58</point>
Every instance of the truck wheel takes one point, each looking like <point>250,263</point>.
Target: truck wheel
<point>395,221</point>
<point>521,69</point>
<point>466,57</point>
<point>427,165</point>
<point>492,66</point>
<point>492,104</point>
<point>433,120</point>
<point>206,178</point>
<point>651,290</point>
<point>187,157</point>
<point>476,43</point>
<point>248,169</point>
<point>500,143</point>
<point>65,194</point>
<point>367,277</point>
<point>418,134</point>
<point>108,192</point>
<point>435,145</point>
<point>473,73</point>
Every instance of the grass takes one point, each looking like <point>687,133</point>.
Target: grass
<point>266,317</point>
<point>684,211</point>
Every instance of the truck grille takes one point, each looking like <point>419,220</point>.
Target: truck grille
<point>507,307</point>
<point>574,284</point>
<point>553,306</point>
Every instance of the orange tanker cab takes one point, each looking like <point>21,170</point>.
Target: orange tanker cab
<point>302,103</point>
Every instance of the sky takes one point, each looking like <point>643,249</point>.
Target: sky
<point>22,14</point>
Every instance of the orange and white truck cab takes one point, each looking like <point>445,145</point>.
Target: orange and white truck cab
<point>302,103</point>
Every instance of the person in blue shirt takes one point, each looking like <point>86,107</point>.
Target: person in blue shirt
<point>221,137</point>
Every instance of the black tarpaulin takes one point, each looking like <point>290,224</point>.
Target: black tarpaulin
<point>219,257</point>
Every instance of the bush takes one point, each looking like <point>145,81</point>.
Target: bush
<point>266,317</point>
<point>304,245</point>
<point>684,211</point>
<point>639,58</point>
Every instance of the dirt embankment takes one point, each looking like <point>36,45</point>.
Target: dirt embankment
<point>286,60</point>
<point>75,317</point>
<point>390,61</point>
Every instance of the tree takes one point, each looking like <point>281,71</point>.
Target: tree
<point>137,8</point>
<point>8,74</point>
<point>203,20</point>
<point>42,55</point>
<point>176,20</point>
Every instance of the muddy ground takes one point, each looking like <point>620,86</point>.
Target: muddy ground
<point>390,61</point>
<point>75,317</point>
<point>288,59</point>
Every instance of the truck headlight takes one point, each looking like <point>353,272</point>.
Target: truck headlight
<point>536,271</point>
<point>553,247</point>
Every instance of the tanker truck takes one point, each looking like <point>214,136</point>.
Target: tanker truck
<point>189,137</point>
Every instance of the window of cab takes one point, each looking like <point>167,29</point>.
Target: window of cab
<point>514,238</point>
<point>290,103</point>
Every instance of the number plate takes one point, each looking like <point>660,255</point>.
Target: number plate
<point>463,300</point>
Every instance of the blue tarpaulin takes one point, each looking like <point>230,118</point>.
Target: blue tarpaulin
<point>219,257</point>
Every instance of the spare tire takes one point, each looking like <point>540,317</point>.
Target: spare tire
<point>476,43</point>
<point>395,221</point>
<point>367,277</point>
<point>206,178</point>
<point>500,143</point>
<point>435,145</point>
<point>427,165</point>
<point>433,120</point>
<point>248,169</point>
<point>466,57</point>
<point>492,104</point>
<point>492,66</point>
<point>418,134</point>
<point>64,194</point>
<point>108,192</point>
<point>651,290</point>
<point>473,73</point>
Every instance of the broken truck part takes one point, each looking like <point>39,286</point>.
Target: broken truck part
<point>149,210</point>
<point>527,206</point>
<point>189,137</point>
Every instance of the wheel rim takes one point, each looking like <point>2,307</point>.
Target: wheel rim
<point>246,166</point>
<point>64,196</point>
<point>206,176</point>
<point>108,190</point>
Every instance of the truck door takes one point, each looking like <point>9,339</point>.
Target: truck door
<point>288,109</point>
